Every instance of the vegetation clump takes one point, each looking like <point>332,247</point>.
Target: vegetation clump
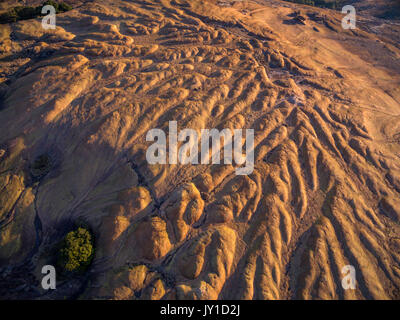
<point>331,4</point>
<point>41,166</point>
<point>77,250</point>
<point>26,12</point>
<point>60,7</point>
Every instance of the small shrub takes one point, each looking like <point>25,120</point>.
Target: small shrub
<point>332,4</point>
<point>77,250</point>
<point>60,7</point>
<point>41,166</point>
<point>64,7</point>
<point>25,12</point>
<point>51,3</point>
<point>9,17</point>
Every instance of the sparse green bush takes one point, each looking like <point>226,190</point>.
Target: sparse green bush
<point>332,4</point>
<point>41,166</point>
<point>64,7</point>
<point>50,3</point>
<point>77,250</point>
<point>9,17</point>
<point>25,12</point>
<point>60,7</point>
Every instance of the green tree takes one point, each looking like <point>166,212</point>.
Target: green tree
<point>77,250</point>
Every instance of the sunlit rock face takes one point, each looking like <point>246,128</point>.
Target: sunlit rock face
<point>77,102</point>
